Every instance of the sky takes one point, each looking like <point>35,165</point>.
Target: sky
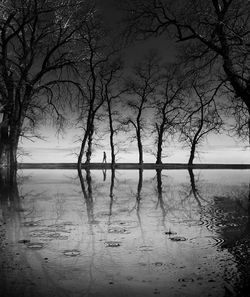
<point>64,148</point>
<point>58,149</point>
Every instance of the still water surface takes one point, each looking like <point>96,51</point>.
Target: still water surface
<point>126,233</point>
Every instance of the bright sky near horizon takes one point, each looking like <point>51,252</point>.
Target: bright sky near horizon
<point>218,149</point>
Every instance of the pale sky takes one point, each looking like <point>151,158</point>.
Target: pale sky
<point>217,149</point>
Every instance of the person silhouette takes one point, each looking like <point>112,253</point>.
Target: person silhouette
<point>104,160</point>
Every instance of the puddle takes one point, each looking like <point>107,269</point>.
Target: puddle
<point>84,243</point>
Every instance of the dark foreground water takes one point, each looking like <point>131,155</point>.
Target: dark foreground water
<point>126,233</point>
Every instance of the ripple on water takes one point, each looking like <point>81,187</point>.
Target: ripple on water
<point>125,224</point>
<point>178,238</point>
<point>35,245</point>
<point>146,248</point>
<point>205,242</point>
<point>112,244</point>
<point>31,224</point>
<point>52,234</point>
<point>71,253</point>
<point>118,230</point>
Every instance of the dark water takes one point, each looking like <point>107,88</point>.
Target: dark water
<point>126,233</point>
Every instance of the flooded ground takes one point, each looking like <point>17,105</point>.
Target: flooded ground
<point>126,233</point>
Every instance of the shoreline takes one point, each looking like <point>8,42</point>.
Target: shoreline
<point>129,166</point>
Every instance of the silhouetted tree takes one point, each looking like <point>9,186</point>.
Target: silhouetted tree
<point>110,77</point>
<point>37,43</point>
<point>167,107</point>
<point>201,119</point>
<point>215,37</point>
<point>142,87</point>
<point>98,51</point>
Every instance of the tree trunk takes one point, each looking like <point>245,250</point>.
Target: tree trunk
<point>249,126</point>
<point>89,149</point>
<point>112,147</point>
<point>111,136</point>
<point>159,147</point>
<point>139,144</point>
<point>80,156</point>
<point>192,154</point>
<point>9,138</point>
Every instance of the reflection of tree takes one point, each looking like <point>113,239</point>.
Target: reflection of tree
<point>238,244</point>
<point>138,195</point>
<point>231,218</point>
<point>194,191</point>
<point>159,191</point>
<point>87,193</point>
<point>111,192</point>
<point>9,194</point>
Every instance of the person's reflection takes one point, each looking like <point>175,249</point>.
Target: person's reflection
<point>159,191</point>
<point>87,193</point>
<point>104,172</point>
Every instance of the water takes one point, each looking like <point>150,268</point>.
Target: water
<point>126,233</point>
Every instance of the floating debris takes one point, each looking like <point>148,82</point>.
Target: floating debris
<point>35,245</point>
<point>178,238</point>
<point>71,253</point>
<point>112,244</point>
<point>24,241</point>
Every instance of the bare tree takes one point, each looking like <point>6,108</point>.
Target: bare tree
<point>111,92</point>
<point>142,86</point>
<point>215,34</point>
<point>98,51</point>
<point>201,119</point>
<point>36,55</point>
<point>167,107</point>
